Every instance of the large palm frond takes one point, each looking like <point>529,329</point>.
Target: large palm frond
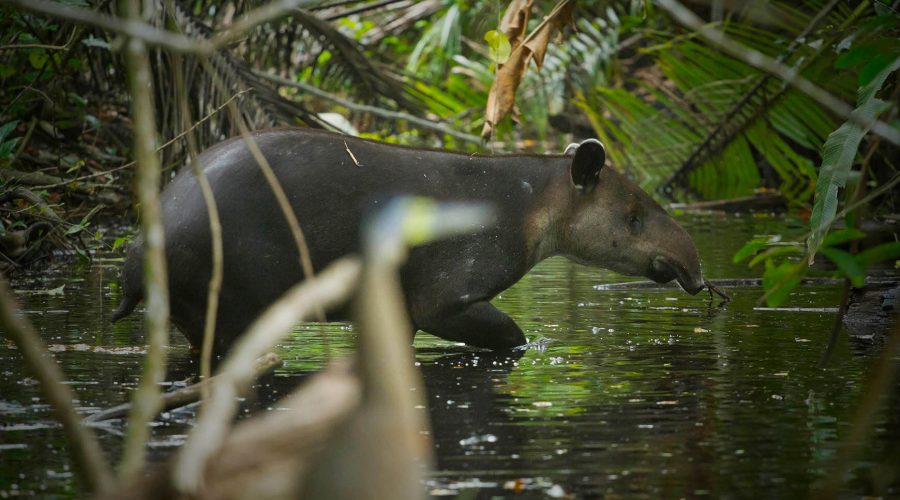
<point>716,125</point>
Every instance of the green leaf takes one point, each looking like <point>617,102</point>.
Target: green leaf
<point>37,58</point>
<point>847,264</point>
<point>6,71</point>
<point>774,252</point>
<point>842,236</point>
<point>780,280</point>
<point>119,242</point>
<point>74,229</point>
<point>881,253</point>
<point>498,46</point>
<point>837,158</point>
<point>6,128</point>
<point>750,248</point>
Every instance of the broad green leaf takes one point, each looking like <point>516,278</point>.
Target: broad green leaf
<point>749,249</point>
<point>837,159</point>
<point>881,253</point>
<point>775,252</point>
<point>780,280</point>
<point>847,264</point>
<point>498,45</point>
<point>842,236</point>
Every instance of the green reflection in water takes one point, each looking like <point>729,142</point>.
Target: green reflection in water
<point>643,393</point>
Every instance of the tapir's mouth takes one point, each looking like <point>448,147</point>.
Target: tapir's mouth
<point>664,271</point>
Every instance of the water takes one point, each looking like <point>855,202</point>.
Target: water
<point>640,393</point>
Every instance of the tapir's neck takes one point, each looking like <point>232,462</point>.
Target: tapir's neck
<point>545,222</point>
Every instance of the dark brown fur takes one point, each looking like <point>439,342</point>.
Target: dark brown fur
<point>605,220</point>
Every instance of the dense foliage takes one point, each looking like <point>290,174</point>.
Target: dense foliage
<point>677,113</point>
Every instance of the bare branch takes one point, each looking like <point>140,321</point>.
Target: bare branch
<point>185,395</point>
<point>215,230</point>
<point>150,35</point>
<point>129,27</point>
<point>146,399</point>
<point>364,108</point>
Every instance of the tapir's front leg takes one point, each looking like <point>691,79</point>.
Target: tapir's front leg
<point>479,325</point>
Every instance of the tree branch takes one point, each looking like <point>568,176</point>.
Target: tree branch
<point>365,108</point>
<point>146,398</point>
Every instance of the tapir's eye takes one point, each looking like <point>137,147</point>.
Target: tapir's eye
<point>634,224</point>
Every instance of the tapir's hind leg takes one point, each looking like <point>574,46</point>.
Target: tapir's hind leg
<point>479,325</point>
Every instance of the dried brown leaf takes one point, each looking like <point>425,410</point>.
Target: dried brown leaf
<point>515,21</point>
<point>502,96</point>
<point>542,36</point>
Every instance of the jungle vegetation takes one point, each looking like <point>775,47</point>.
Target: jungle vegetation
<point>680,113</point>
<point>696,101</point>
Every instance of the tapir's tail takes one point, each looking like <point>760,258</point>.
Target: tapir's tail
<point>132,283</point>
<point>125,307</point>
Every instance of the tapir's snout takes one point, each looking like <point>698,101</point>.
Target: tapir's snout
<point>665,269</point>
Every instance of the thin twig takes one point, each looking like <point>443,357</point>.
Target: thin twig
<point>146,398</point>
<point>364,108</point>
<point>158,150</point>
<point>81,442</point>
<point>790,75</point>
<point>215,231</point>
<point>355,161</point>
<point>718,291</point>
<point>23,46</point>
<point>299,303</point>
<point>185,395</point>
<point>153,36</point>
<point>277,189</point>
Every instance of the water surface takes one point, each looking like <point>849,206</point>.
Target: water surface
<point>638,393</point>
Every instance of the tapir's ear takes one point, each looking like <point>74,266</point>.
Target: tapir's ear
<point>586,165</point>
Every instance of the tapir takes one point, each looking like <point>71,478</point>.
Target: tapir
<point>545,205</point>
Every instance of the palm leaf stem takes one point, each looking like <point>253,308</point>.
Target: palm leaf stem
<point>723,133</point>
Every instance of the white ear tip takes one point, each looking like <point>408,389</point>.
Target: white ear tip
<point>571,148</point>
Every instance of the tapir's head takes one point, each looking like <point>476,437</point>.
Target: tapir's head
<point>614,224</point>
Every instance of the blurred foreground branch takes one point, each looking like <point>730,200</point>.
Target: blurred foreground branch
<point>146,398</point>
<point>328,288</point>
<point>134,28</point>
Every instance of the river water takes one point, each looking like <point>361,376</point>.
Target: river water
<point>636,393</point>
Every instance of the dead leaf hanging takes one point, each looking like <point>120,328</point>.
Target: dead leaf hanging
<point>502,96</point>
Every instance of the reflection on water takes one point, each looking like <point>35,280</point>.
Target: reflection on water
<point>648,393</point>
